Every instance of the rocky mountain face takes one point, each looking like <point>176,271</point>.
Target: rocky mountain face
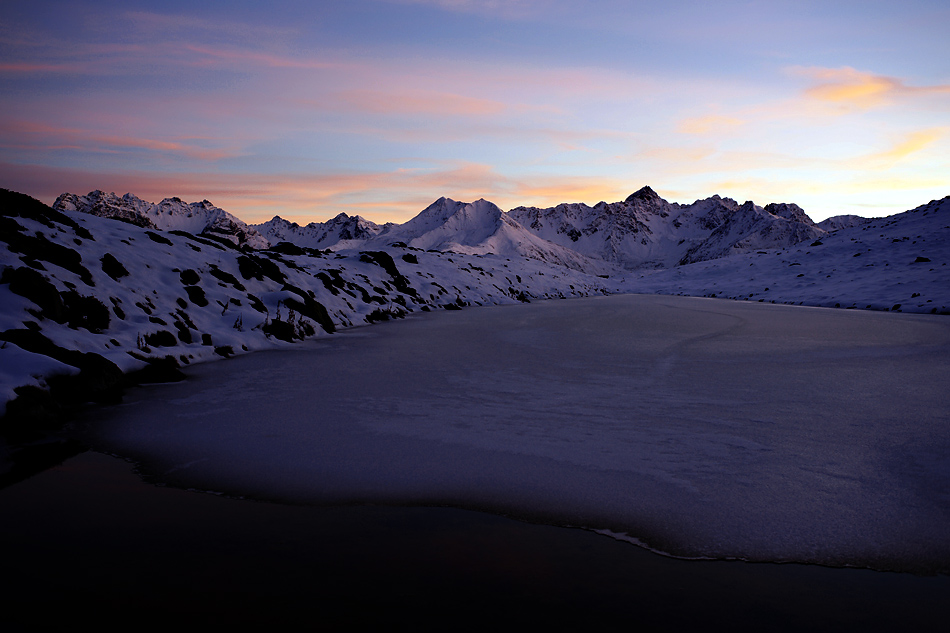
<point>646,231</point>
<point>171,214</point>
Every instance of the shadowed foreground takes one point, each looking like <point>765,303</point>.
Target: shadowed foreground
<point>91,543</point>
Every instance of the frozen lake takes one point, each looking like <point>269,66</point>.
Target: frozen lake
<point>698,427</point>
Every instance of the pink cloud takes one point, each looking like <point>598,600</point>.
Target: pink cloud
<point>30,135</point>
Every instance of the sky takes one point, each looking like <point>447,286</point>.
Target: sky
<point>379,107</point>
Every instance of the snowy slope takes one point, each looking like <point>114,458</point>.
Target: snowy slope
<point>109,297</point>
<point>646,231</point>
<point>480,227</point>
<point>895,263</point>
<point>168,215</point>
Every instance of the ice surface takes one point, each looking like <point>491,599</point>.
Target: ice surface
<point>700,427</point>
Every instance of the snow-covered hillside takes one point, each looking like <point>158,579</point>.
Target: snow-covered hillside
<point>895,263</point>
<point>89,295</point>
<point>646,231</point>
<point>168,215</point>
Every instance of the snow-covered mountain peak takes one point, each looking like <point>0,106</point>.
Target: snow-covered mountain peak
<point>169,214</point>
<point>446,223</point>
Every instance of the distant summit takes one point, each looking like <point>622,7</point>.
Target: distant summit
<point>644,193</point>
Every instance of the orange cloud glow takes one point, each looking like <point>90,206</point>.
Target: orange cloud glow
<point>858,89</point>
<point>709,124</point>
<point>913,143</point>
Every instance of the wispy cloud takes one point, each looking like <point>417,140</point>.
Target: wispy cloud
<point>33,136</point>
<point>858,89</point>
<point>708,124</point>
<point>911,144</point>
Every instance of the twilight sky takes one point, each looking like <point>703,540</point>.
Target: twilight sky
<point>378,107</point>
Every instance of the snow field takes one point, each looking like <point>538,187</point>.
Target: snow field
<point>701,428</point>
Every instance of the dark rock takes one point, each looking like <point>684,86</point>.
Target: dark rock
<point>226,277</point>
<point>282,330</point>
<point>258,268</point>
<point>112,267</point>
<point>196,295</point>
<point>288,248</point>
<point>162,338</point>
<point>85,312</point>
<point>257,304</point>
<point>13,204</point>
<point>41,249</point>
<point>30,284</point>
<point>310,308</point>
<point>189,277</point>
<point>385,261</point>
<point>160,239</point>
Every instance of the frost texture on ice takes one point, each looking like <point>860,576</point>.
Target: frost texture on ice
<point>699,427</point>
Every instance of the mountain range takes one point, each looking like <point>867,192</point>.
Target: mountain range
<point>89,302</point>
<point>642,231</point>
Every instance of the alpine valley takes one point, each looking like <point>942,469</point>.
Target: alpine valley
<point>101,291</point>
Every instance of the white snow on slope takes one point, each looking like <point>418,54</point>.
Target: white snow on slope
<point>901,262</point>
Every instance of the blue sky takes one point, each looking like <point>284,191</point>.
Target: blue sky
<point>310,109</point>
